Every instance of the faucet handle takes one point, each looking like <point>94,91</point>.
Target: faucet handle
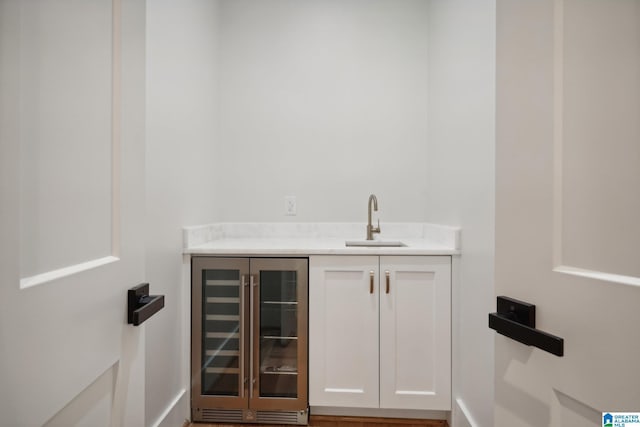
<point>377,229</point>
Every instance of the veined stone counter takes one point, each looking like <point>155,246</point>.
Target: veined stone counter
<point>317,239</point>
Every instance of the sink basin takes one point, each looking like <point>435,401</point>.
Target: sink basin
<point>375,243</point>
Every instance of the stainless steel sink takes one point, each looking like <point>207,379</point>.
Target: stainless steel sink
<point>374,243</point>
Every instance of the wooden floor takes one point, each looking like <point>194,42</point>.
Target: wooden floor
<point>329,421</point>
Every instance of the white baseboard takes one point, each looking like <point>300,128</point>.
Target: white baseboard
<point>461,417</point>
<point>176,412</point>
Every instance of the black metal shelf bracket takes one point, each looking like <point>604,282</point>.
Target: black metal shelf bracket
<point>517,320</point>
<point>141,305</point>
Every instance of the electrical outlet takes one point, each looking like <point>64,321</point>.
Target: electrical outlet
<point>290,205</point>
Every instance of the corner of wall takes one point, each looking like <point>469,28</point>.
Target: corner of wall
<point>461,173</point>
<point>174,414</point>
<point>460,416</point>
<point>181,132</point>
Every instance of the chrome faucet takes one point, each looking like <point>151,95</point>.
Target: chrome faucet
<point>373,201</point>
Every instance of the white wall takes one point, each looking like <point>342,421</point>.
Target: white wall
<point>181,125</point>
<point>324,100</point>
<point>461,185</point>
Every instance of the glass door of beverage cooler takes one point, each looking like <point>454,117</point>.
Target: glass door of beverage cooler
<point>220,340</point>
<point>279,368</point>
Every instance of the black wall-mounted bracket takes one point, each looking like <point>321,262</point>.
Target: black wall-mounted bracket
<point>517,320</point>
<point>141,305</point>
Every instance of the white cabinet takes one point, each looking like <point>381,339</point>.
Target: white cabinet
<point>380,332</point>
<point>343,331</point>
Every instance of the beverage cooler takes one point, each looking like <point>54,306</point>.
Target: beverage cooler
<point>249,340</point>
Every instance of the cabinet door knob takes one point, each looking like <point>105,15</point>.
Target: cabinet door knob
<point>388,276</point>
<point>371,277</point>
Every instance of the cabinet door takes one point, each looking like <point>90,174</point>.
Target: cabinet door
<point>343,331</point>
<point>415,331</point>
<point>279,339</point>
<point>218,358</point>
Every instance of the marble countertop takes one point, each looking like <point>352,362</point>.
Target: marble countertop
<point>317,239</point>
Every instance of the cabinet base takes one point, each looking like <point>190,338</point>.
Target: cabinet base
<point>250,416</point>
<point>380,412</point>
